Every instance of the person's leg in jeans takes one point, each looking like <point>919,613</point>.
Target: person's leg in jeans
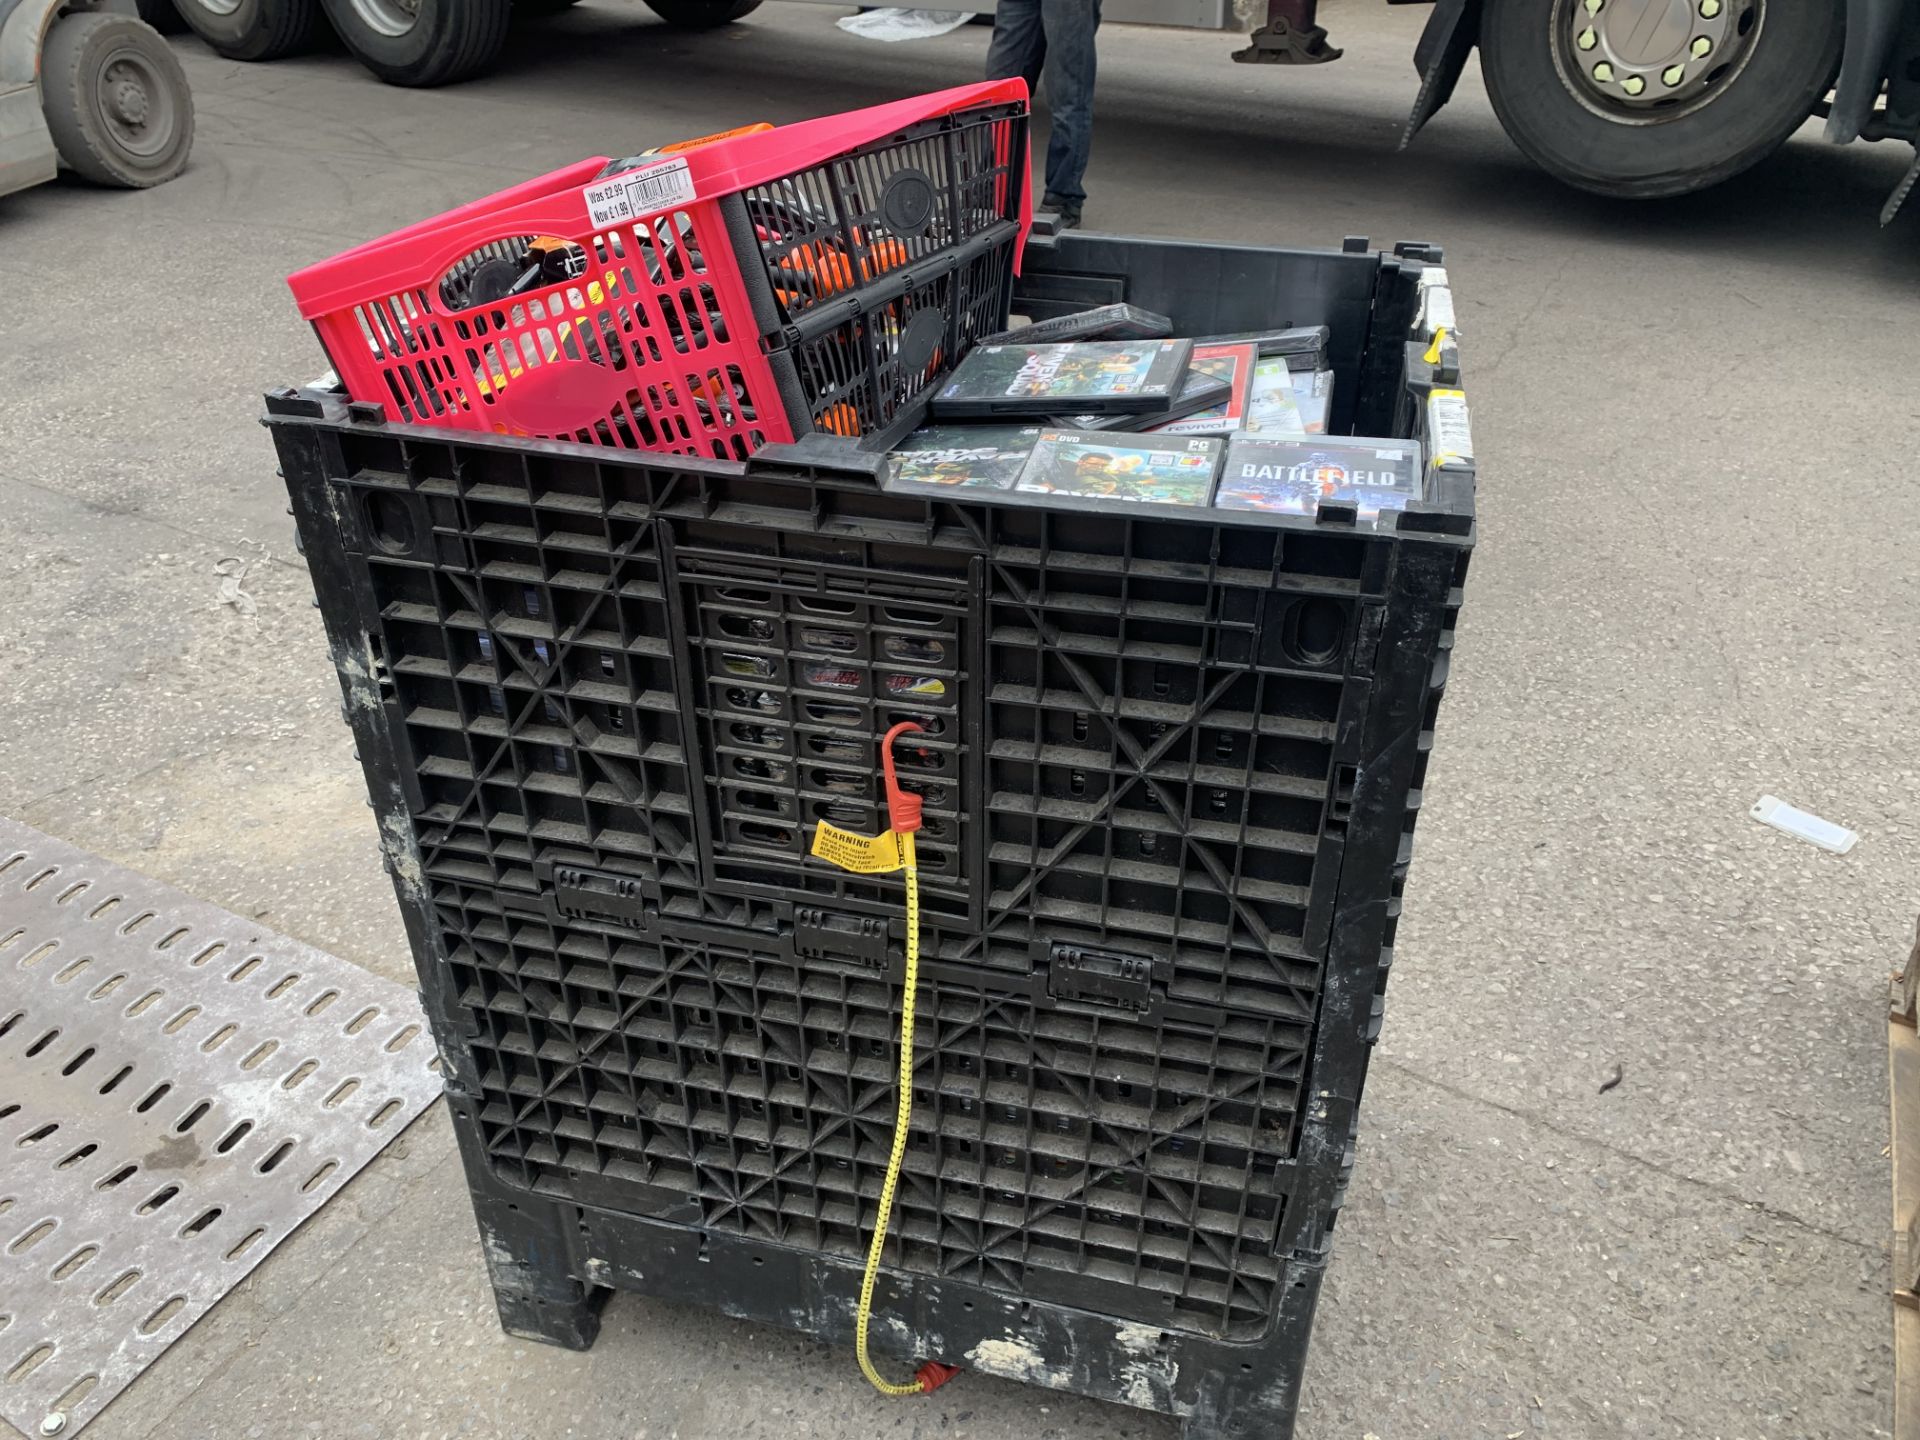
<point>1069,75</point>
<point>1019,42</point>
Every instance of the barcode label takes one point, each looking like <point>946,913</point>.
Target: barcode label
<point>628,196</point>
<point>1449,431</point>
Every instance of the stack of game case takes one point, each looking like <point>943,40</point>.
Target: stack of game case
<point>1108,408</point>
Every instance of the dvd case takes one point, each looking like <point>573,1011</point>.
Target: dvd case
<point>1107,322</point>
<point>1273,406</point>
<point>942,458</point>
<point>1232,364</point>
<point>1298,477</point>
<point>1305,346</point>
<point>1105,465</point>
<point>1102,377</point>
<point>1313,392</point>
<point>1197,392</point>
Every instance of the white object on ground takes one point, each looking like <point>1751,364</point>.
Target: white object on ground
<point>1771,810</point>
<point>233,574</point>
<point>895,24</point>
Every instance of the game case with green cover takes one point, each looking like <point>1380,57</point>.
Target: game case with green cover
<point>1108,465</point>
<point>1197,392</point>
<point>942,458</point>
<point>1102,377</point>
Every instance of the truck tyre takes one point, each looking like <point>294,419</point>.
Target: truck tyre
<point>161,15</point>
<point>422,42</point>
<point>116,100</point>
<point>701,14</point>
<point>1645,98</point>
<point>252,29</point>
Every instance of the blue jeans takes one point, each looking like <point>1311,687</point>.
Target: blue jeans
<point>1053,40</point>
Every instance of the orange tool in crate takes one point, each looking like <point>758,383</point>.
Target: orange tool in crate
<point>704,298</point>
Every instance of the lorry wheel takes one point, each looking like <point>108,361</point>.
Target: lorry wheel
<point>1645,98</point>
<point>252,29</point>
<point>701,14</point>
<point>422,42</point>
<point>161,15</point>
<point>116,100</point>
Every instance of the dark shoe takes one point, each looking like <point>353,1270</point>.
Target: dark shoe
<point>1067,210</point>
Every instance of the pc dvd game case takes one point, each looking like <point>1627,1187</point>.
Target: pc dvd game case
<point>1106,322</point>
<point>943,458</point>
<point>1197,392</point>
<point>1232,364</point>
<point>1305,346</point>
<point>1112,465</point>
<point>1100,377</point>
<point>1299,477</point>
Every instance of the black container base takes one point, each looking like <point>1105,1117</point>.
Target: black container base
<point>526,1246</point>
<point>537,1250</point>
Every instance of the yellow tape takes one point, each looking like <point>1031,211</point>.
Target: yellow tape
<point>903,1117</point>
<point>877,855</point>
<point>862,854</point>
<point>1432,357</point>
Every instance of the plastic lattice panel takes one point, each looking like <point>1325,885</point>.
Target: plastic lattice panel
<point>860,375</point>
<point>885,206</point>
<point>1164,752</point>
<point>179,1090</point>
<point>797,670</point>
<point>1049,1150</point>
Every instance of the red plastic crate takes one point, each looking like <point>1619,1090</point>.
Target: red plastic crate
<point>704,301</point>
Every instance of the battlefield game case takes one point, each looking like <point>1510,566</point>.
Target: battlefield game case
<point>953,457</point>
<point>1106,322</point>
<point>1231,363</point>
<point>1101,377</point>
<point>1105,465</point>
<point>1197,392</point>
<point>1297,477</point>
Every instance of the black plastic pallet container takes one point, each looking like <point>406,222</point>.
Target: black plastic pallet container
<point>1171,763</point>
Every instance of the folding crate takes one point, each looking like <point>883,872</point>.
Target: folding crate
<point>702,301</point>
<point>1171,767</point>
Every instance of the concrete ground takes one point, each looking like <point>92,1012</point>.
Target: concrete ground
<point>1696,584</point>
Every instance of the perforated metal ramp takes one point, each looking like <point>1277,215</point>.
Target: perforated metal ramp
<point>179,1089</point>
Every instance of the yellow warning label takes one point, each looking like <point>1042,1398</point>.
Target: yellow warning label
<point>862,854</point>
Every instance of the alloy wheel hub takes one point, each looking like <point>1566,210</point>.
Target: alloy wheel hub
<point>1650,55</point>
